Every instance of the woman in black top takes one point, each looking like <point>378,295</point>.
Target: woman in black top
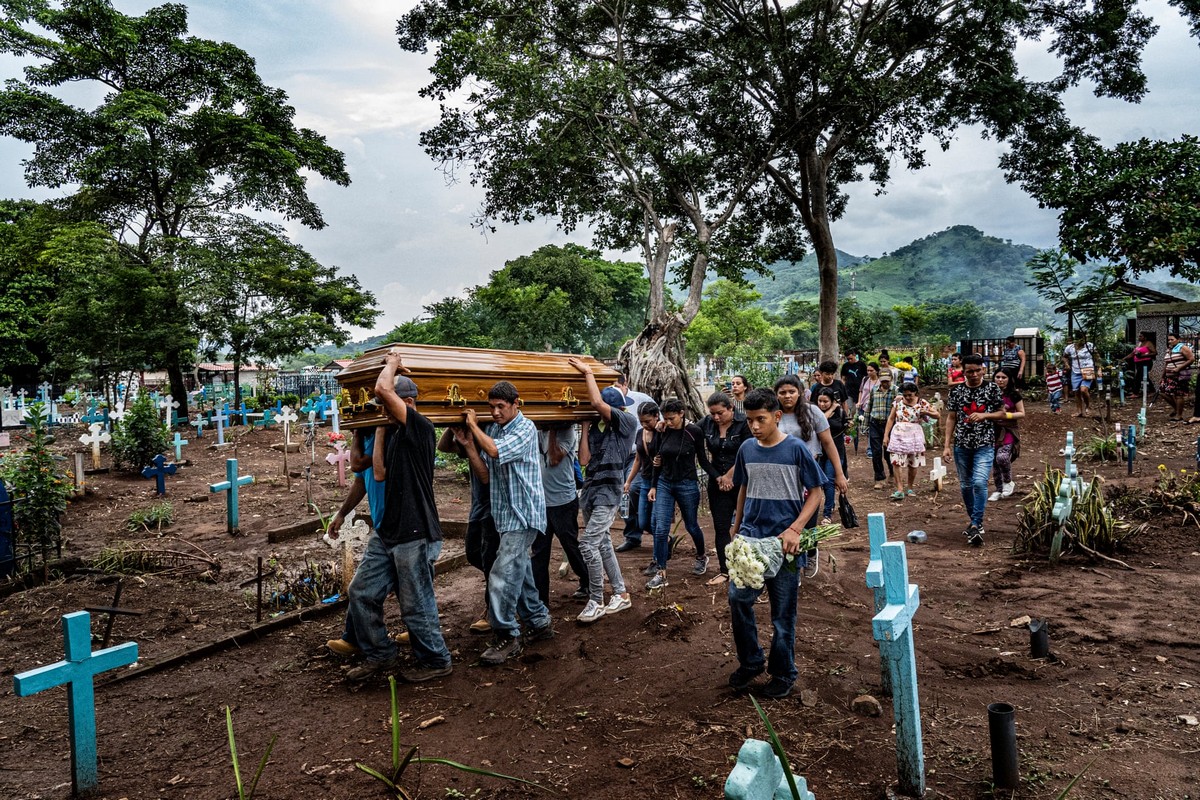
<point>724,431</point>
<point>673,482</point>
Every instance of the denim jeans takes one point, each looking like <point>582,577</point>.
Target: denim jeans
<point>782,590</point>
<point>512,595</point>
<point>668,494</point>
<point>722,505</point>
<point>974,467</point>
<point>827,466</point>
<point>634,527</point>
<point>598,552</point>
<point>406,569</point>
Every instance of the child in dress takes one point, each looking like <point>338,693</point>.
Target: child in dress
<point>1054,388</point>
<point>904,438</point>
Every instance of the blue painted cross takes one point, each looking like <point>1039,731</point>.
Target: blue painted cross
<point>220,419</point>
<point>198,423</point>
<point>894,625</point>
<point>266,421</point>
<point>159,471</point>
<point>179,442</point>
<point>230,485</point>
<point>77,671</point>
<point>243,412</point>
<point>877,532</point>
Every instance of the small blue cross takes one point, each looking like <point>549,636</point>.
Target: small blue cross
<point>198,423</point>
<point>242,411</point>
<point>220,419</point>
<point>77,671</point>
<point>267,419</point>
<point>230,485</point>
<point>179,442</point>
<point>159,471</point>
<point>894,624</point>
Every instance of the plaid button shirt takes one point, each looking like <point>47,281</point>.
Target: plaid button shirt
<point>880,404</point>
<point>518,501</point>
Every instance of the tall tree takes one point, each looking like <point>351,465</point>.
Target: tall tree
<point>186,130</point>
<point>258,295</point>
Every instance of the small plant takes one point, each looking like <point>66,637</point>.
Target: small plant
<point>1091,527</point>
<point>308,586</point>
<point>400,764</point>
<point>154,518</point>
<point>38,484</point>
<point>777,746</point>
<point>1102,448</point>
<point>243,792</point>
<point>1172,493</point>
<point>139,436</point>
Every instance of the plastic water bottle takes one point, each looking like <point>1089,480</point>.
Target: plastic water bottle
<point>916,537</point>
<point>624,504</point>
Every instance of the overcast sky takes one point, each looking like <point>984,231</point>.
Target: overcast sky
<point>407,234</point>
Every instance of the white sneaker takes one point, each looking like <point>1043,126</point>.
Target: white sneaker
<point>618,602</point>
<point>1008,489</point>
<point>591,612</point>
<point>993,497</point>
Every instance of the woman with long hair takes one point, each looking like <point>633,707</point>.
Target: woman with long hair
<point>808,424</point>
<point>1008,442</point>
<point>738,386</point>
<point>724,431</point>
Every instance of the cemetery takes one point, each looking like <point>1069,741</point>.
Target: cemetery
<point>637,704</point>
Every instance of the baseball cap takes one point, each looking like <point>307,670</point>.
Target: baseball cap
<point>612,395</point>
<point>405,387</point>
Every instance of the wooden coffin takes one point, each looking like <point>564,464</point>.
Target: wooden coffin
<point>451,379</point>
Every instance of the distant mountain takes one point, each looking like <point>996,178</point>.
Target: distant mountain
<point>323,355</point>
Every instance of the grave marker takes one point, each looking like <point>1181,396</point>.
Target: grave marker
<point>95,436</point>
<point>44,389</point>
<point>340,457</point>
<point>938,474</point>
<point>877,535</point>
<point>243,412</point>
<point>78,457</point>
<point>230,486</point>
<point>220,419</point>
<point>758,775</point>
<point>77,671</point>
<point>168,404</point>
<point>115,417</point>
<point>894,624</point>
<point>333,415</point>
<point>158,471</point>
<point>267,419</point>
<point>287,417</point>
<point>178,442</point>
<point>198,423</point>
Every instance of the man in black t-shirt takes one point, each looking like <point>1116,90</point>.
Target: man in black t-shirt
<point>854,372</point>
<point>827,380</point>
<point>400,553</point>
<point>971,410</point>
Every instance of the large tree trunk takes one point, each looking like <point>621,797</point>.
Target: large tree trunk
<point>178,388</point>
<point>653,362</point>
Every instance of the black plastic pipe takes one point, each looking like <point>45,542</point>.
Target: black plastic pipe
<point>1039,639</point>
<point>1002,730</point>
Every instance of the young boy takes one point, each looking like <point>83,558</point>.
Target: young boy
<point>1054,387</point>
<point>779,490</point>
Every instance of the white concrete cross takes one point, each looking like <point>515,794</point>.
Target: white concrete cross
<point>333,416</point>
<point>94,438</point>
<point>168,404</point>
<point>937,473</point>
<point>287,417</point>
<point>220,419</point>
<point>116,416</point>
<point>44,389</point>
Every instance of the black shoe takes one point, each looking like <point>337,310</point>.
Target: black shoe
<point>777,689</point>
<point>741,678</point>
<point>540,634</point>
<point>974,536</point>
<point>502,649</point>
<point>627,545</point>
<point>422,674</point>
<point>580,595</point>
<point>369,669</point>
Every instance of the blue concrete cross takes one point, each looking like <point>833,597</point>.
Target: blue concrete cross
<point>877,532</point>
<point>179,442</point>
<point>230,485</point>
<point>758,775</point>
<point>243,412</point>
<point>198,423</point>
<point>158,471</point>
<point>77,671</point>
<point>893,624</point>
<point>266,421</point>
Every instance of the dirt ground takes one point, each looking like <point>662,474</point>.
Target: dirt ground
<point>636,704</point>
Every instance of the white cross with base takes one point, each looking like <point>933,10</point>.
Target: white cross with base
<point>168,404</point>
<point>937,474</point>
<point>94,438</point>
<point>339,457</point>
<point>287,417</point>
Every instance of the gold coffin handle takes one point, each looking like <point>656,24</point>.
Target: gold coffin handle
<point>568,398</point>
<point>454,397</point>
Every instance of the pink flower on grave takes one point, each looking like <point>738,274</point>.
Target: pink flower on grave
<point>337,437</point>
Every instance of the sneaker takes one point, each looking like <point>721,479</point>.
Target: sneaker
<point>897,495</point>
<point>591,612</point>
<point>701,566</point>
<point>369,669</point>
<point>481,626</point>
<point>422,674</point>
<point>502,649</point>
<point>340,647</point>
<point>650,570</point>
<point>580,595</point>
<point>618,602</point>
<point>975,536</point>
<point>658,581</point>
<point>540,634</point>
<point>777,689</point>
<point>627,545</point>
<point>1008,489</point>
<point>741,678</point>
<point>993,497</point>
<point>813,564</point>
<point>879,484</point>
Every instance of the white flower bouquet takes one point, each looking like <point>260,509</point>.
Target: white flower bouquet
<point>751,561</point>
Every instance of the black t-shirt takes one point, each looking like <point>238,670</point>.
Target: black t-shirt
<point>839,390</point>
<point>410,513</point>
<point>680,449</point>
<point>853,375</point>
<point>723,452</point>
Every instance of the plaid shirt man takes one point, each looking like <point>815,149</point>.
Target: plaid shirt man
<point>518,501</point>
<point>880,403</point>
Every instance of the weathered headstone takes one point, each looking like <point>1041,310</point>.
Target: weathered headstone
<point>230,487</point>
<point>894,624</point>
<point>77,671</point>
<point>95,436</point>
<point>158,471</point>
<point>758,775</point>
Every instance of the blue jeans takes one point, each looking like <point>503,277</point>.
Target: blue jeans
<point>511,590</point>
<point>638,520</point>
<point>407,570</point>
<point>668,494</point>
<point>782,590</point>
<point>830,487</point>
<point>974,467</point>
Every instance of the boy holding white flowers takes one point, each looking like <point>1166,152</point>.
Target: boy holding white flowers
<point>779,491</point>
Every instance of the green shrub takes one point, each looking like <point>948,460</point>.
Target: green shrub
<point>290,400</point>
<point>139,436</point>
<point>36,479</point>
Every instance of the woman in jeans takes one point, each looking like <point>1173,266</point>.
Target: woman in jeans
<point>724,431</point>
<point>673,483</point>
<point>646,447</point>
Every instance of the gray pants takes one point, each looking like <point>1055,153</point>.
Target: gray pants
<point>596,546</point>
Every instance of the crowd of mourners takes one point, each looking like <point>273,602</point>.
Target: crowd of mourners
<point>774,460</point>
